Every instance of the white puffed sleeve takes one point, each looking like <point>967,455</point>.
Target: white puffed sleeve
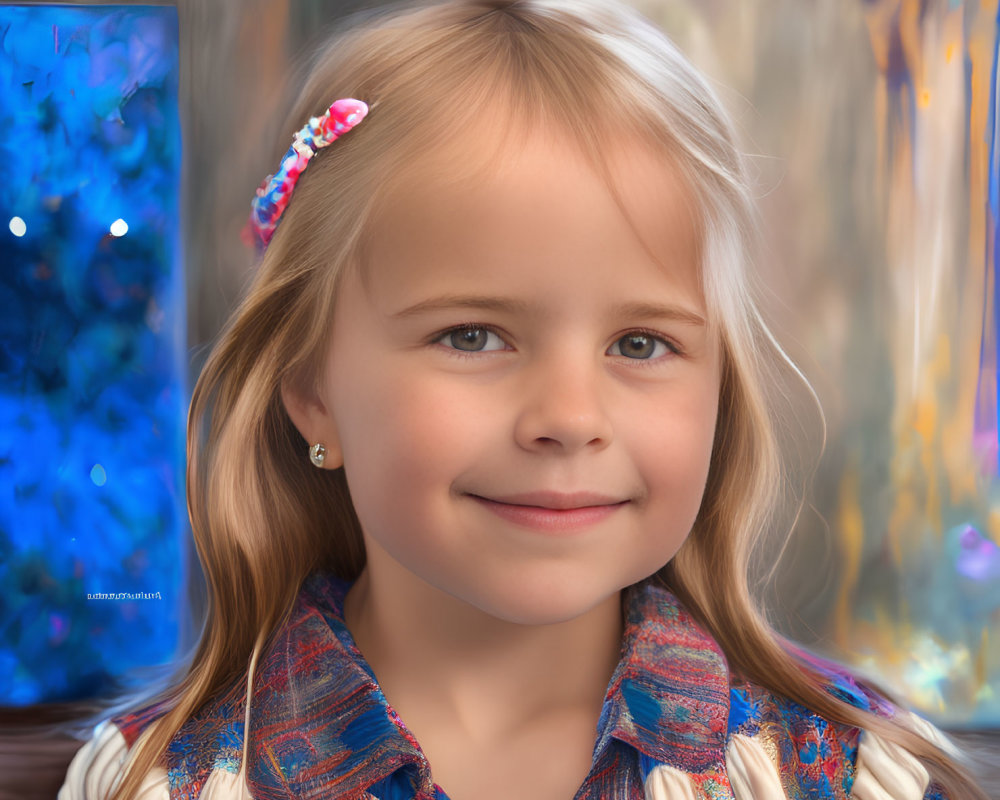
<point>224,785</point>
<point>96,769</point>
<point>886,771</point>
<point>752,774</point>
<point>667,783</point>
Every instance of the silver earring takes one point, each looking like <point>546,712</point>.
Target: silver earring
<point>317,454</point>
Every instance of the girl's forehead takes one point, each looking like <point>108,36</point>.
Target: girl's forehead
<point>539,193</point>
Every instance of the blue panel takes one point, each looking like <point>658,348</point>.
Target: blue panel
<point>92,347</point>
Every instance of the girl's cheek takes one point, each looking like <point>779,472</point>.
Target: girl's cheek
<point>412,416</point>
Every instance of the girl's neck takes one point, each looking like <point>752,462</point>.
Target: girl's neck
<point>443,662</point>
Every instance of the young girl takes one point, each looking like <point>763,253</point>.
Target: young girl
<point>475,470</point>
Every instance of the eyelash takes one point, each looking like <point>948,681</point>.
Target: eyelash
<point>475,326</point>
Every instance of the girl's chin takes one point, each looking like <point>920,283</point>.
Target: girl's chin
<point>542,605</point>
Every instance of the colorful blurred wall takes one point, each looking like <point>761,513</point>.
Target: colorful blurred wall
<point>873,128</point>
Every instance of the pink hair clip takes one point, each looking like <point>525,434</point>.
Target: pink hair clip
<point>276,190</point>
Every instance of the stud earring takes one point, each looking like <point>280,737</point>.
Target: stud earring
<point>317,454</point>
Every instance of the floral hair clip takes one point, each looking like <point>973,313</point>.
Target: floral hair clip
<point>276,190</point>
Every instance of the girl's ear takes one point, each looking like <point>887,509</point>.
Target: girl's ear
<point>313,420</point>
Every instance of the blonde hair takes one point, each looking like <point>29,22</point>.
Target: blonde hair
<point>263,518</point>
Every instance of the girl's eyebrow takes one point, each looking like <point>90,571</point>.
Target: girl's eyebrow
<point>447,301</point>
<point>637,310</point>
<point>644,310</point>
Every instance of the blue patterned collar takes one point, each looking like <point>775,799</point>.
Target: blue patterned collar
<point>320,725</point>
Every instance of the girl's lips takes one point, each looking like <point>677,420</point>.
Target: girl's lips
<point>556,500</point>
<point>567,513</point>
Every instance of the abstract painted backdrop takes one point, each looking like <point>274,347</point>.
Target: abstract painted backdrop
<point>873,128</point>
<point>92,347</point>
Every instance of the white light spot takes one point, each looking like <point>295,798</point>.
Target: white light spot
<point>98,475</point>
<point>119,227</point>
<point>17,226</point>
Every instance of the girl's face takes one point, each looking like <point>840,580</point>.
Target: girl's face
<point>524,398</point>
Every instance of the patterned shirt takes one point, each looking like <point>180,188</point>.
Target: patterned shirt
<point>320,726</point>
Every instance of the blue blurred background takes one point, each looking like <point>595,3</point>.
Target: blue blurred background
<point>93,355</point>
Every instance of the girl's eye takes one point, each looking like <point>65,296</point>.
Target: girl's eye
<point>638,346</point>
<point>472,339</point>
<point>641,346</point>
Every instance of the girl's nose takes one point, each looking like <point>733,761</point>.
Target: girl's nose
<point>562,410</point>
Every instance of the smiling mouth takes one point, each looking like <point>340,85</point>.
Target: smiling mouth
<point>553,512</point>
<point>555,501</point>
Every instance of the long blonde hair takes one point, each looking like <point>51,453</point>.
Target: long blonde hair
<point>263,518</point>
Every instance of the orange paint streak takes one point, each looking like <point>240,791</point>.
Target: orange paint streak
<point>851,538</point>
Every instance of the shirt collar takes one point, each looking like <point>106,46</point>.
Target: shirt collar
<point>320,725</point>
<point>669,696</point>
